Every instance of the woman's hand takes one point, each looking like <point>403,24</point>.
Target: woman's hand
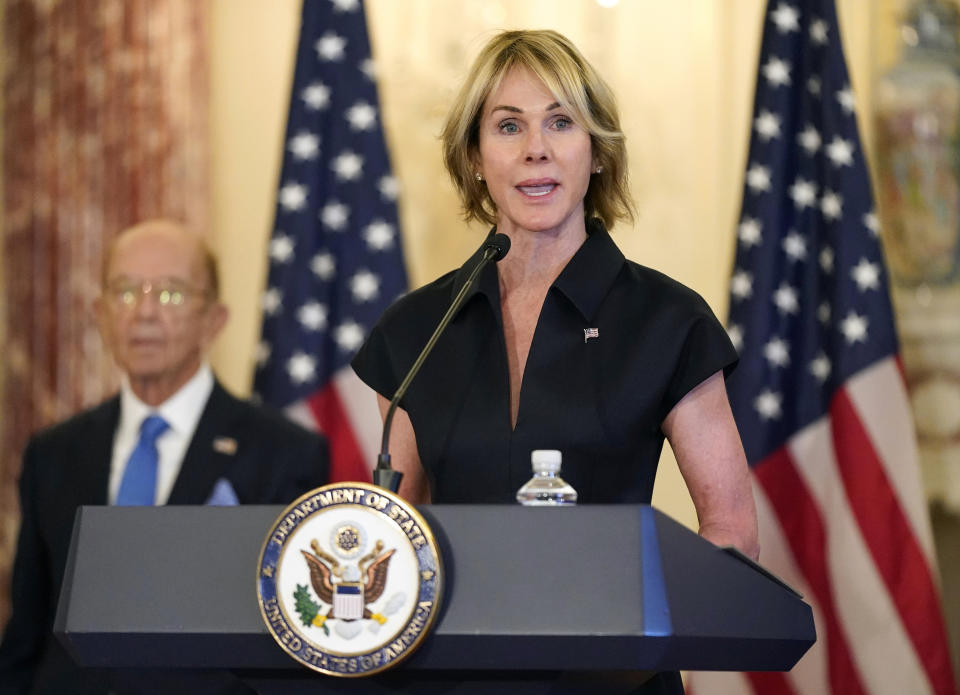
<point>704,438</point>
<point>404,456</point>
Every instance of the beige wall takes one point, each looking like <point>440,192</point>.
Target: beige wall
<point>684,72</point>
<point>3,279</point>
<point>253,46</point>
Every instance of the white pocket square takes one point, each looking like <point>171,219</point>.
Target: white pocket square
<point>223,495</point>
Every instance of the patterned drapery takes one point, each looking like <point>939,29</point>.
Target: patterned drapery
<point>105,106</point>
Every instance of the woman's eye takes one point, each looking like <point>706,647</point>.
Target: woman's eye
<point>562,123</point>
<point>509,127</point>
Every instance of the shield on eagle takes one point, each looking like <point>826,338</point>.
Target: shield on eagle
<point>348,600</point>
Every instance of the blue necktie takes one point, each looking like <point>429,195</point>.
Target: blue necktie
<point>139,484</point>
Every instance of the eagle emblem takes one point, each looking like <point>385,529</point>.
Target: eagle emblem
<point>345,589</point>
<point>349,580</point>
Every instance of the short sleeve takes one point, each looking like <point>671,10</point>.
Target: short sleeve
<point>373,363</point>
<point>706,349</point>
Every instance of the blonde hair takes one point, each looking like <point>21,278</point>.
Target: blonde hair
<point>576,86</point>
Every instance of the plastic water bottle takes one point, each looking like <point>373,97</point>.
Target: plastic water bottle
<point>546,488</point>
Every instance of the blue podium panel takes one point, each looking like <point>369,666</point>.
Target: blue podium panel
<point>591,588</point>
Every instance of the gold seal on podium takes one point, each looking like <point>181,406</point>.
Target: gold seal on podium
<point>349,580</point>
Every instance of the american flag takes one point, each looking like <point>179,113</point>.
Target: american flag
<point>819,396</point>
<point>335,254</point>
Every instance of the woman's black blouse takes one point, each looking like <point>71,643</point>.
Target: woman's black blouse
<point>617,345</point>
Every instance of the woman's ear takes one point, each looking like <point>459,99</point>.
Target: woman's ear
<point>476,167</point>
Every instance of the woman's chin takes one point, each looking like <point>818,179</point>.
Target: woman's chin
<point>544,224</point>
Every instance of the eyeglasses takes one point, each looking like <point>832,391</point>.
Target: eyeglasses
<point>169,294</point>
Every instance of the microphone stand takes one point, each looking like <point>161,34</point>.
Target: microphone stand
<point>384,474</point>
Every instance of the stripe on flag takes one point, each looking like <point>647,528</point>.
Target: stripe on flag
<point>799,516</point>
<point>879,646</point>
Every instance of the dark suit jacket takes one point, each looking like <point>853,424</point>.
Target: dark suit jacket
<point>68,465</point>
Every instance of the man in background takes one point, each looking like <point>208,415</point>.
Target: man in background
<point>172,435</point>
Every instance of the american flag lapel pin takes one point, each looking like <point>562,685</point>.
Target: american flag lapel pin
<point>590,333</point>
<point>225,445</point>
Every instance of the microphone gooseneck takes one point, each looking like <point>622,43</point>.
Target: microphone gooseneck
<point>494,249</point>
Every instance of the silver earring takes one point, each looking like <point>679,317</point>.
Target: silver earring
<point>478,176</point>
<point>600,169</point>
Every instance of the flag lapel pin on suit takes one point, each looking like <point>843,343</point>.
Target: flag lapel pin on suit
<point>225,445</point>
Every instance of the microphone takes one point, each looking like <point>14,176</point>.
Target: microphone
<point>494,249</point>
<point>500,243</point>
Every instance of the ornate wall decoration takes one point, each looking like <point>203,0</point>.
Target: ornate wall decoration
<point>104,124</point>
<point>918,185</point>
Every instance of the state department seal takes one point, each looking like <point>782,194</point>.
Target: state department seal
<point>349,580</point>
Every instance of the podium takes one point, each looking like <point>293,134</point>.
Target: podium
<point>533,596</point>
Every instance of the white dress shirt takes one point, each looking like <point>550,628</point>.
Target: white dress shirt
<point>182,412</point>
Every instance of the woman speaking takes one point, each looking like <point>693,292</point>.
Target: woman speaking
<point>564,344</point>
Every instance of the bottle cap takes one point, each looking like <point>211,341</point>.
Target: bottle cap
<point>546,460</point>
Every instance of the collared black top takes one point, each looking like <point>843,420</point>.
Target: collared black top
<point>616,346</point>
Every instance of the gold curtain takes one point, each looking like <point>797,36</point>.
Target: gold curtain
<point>104,124</point>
